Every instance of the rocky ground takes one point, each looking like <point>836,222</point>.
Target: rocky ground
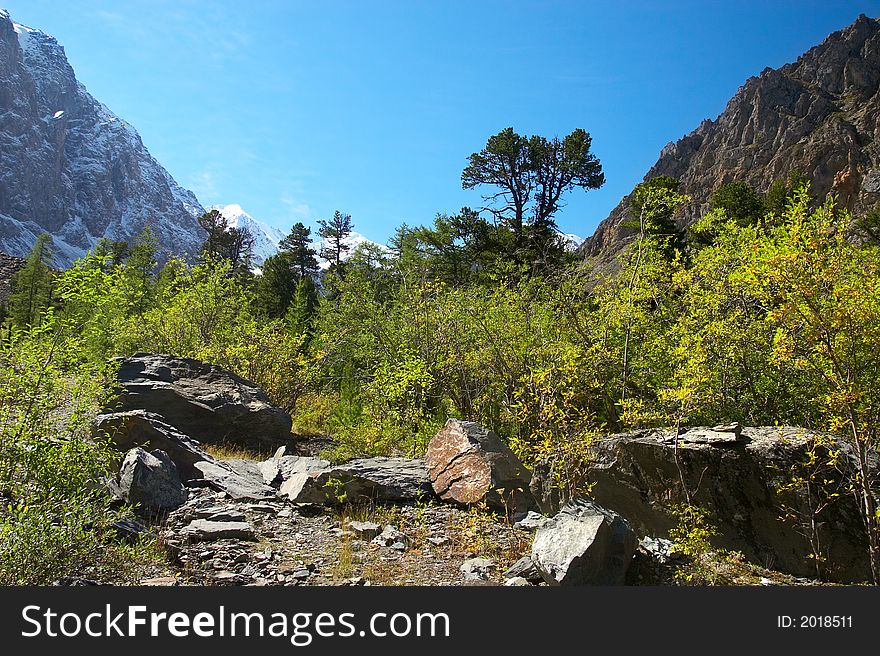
<point>469,513</point>
<point>272,543</point>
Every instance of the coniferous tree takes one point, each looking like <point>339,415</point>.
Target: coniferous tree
<point>32,285</point>
<point>301,312</point>
<point>532,174</point>
<point>298,244</point>
<point>276,285</point>
<point>226,242</point>
<point>334,232</point>
<point>114,252</point>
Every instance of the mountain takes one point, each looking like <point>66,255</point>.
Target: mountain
<point>571,242</point>
<point>353,240</point>
<point>818,116</point>
<point>267,238</point>
<point>72,168</point>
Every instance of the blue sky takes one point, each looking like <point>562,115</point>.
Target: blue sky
<point>295,109</point>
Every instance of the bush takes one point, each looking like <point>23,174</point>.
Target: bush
<point>56,519</point>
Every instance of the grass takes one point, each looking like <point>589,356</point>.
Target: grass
<point>229,451</point>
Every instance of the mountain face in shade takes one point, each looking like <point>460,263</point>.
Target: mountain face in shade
<point>818,116</point>
<point>72,168</point>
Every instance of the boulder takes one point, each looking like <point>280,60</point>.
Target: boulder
<point>127,430</point>
<point>151,481</point>
<point>585,544</point>
<point>205,401</point>
<point>469,464</point>
<point>736,476</point>
<point>366,480</point>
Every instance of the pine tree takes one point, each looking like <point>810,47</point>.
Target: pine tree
<point>226,242</point>
<point>298,244</point>
<point>335,231</point>
<point>276,285</point>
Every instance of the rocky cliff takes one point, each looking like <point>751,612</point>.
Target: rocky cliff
<point>818,116</point>
<point>70,167</point>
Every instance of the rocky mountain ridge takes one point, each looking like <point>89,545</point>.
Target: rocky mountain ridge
<point>818,116</point>
<point>71,167</point>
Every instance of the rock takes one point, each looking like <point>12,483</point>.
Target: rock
<point>660,549</point>
<point>584,544</point>
<point>150,480</point>
<point>477,569</point>
<point>239,483</point>
<point>218,514</point>
<point>438,540</point>
<point>279,469</point>
<point>737,483</point>
<point>130,529</point>
<point>517,581</point>
<point>389,536</point>
<point>202,400</point>
<point>367,480</point>
<point>159,581</point>
<point>524,568</point>
<point>204,530</point>
<point>365,530</point>
<point>127,430</point>
<point>469,465</point>
<point>531,520</point>
<point>718,436</point>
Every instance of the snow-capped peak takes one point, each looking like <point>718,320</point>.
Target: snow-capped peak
<point>266,237</point>
<point>571,242</point>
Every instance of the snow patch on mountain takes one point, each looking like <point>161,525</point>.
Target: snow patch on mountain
<point>267,237</point>
<point>571,242</point>
<point>72,168</point>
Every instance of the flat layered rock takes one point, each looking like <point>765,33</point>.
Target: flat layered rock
<point>207,402</point>
<point>134,428</point>
<point>365,480</point>
<point>240,483</point>
<point>277,470</point>
<point>204,530</point>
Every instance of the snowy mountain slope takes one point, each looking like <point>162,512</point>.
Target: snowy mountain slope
<point>571,242</point>
<point>267,238</point>
<point>72,168</point>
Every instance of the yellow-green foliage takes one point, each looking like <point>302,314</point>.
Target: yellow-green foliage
<point>55,517</point>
